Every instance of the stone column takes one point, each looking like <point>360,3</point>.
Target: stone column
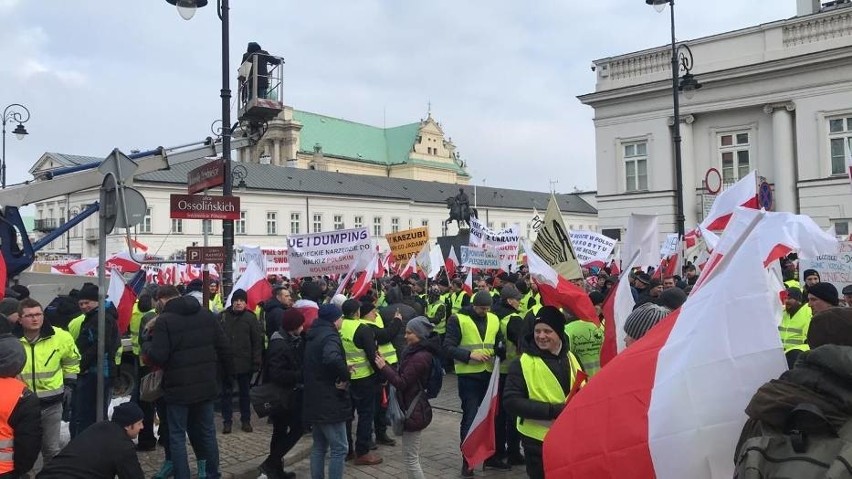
<point>783,156</point>
<point>688,170</point>
<point>276,153</point>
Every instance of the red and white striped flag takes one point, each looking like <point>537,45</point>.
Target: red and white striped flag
<point>410,268</point>
<point>616,308</point>
<point>558,291</point>
<point>123,295</point>
<point>468,282</point>
<point>254,283</point>
<point>479,444</point>
<point>674,402</point>
<point>451,263</point>
<point>742,193</point>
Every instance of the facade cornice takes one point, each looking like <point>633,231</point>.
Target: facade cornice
<point>637,195</point>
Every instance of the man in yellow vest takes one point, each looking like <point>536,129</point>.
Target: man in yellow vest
<point>473,340</point>
<point>359,344</point>
<point>508,440</point>
<point>20,414</point>
<point>585,339</point>
<point>51,369</point>
<point>795,322</point>
<point>538,384</point>
<point>436,311</point>
<point>215,303</point>
<point>458,298</point>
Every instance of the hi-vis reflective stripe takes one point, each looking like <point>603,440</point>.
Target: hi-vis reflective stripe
<point>50,393</point>
<point>790,330</point>
<point>474,347</point>
<point>7,456</point>
<point>540,422</point>
<point>7,443</point>
<point>44,375</point>
<point>350,357</point>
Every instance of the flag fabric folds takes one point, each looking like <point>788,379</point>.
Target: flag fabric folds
<point>253,281</point>
<point>742,193</point>
<point>123,295</point>
<point>672,404</point>
<point>558,291</point>
<point>479,444</point>
<point>616,308</point>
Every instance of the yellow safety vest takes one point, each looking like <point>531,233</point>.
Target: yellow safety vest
<point>135,322</point>
<point>216,305</point>
<point>585,340</point>
<point>511,348</point>
<point>792,283</point>
<point>473,342</point>
<point>456,301</point>
<point>74,326</point>
<point>10,392</point>
<point>387,350</point>
<point>794,331</point>
<point>50,360</point>
<point>356,359</point>
<point>542,386</point>
<point>432,310</point>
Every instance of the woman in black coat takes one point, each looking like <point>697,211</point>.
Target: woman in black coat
<point>285,358</point>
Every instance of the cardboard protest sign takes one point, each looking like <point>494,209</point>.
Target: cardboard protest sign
<point>332,252</point>
<point>407,243</point>
<point>274,257</point>
<point>832,268</point>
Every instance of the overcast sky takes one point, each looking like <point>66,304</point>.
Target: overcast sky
<point>502,76</point>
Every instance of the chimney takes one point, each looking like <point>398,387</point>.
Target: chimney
<point>807,7</point>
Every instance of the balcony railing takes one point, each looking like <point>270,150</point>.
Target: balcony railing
<point>48,224</point>
<point>92,234</point>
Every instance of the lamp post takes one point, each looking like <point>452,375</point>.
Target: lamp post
<point>186,9</point>
<point>688,85</point>
<point>14,112</point>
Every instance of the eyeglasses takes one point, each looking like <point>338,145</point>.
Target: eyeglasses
<point>33,315</point>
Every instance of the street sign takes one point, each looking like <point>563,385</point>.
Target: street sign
<point>134,205</point>
<point>706,205</point>
<point>201,207</point>
<point>109,202</point>
<point>118,164</point>
<point>205,254</point>
<point>209,175</point>
<point>764,196</point>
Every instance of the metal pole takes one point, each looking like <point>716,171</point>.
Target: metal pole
<point>227,225</point>
<point>680,219</point>
<point>102,239</point>
<point>3,160</point>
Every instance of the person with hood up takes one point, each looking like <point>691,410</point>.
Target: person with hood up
<point>538,384</point>
<point>244,334</point>
<point>415,368</point>
<point>310,297</point>
<point>103,451</point>
<point>189,345</point>
<point>20,414</point>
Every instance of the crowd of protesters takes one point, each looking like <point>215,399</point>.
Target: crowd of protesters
<point>335,356</point>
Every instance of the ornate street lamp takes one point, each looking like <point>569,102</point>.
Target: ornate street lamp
<point>14,113</point>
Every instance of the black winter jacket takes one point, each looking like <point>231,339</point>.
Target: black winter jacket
<point>102,451</point>
<point>516,398</point>
<point>87,341</point>
<point>189,345</point>
<point>285,359</point>
<point>244,334</point>
<point>25,420</point>
<point>273,312</point>
<point>325,365</point>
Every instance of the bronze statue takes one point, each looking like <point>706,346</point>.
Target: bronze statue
<point>460,210</point>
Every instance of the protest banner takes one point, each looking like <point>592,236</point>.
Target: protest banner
<point>407,243</point>
<point>480,258</point>
<point>505,242</point>
<point>554,246</point>
<point>670,245</point>
<point>274,257</point>
<point>832,268</point>
<point>591,246</point>
<point>332,252</point>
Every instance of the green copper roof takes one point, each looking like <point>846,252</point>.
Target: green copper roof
<point>348,139</point>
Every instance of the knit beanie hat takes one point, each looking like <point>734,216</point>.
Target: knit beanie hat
<point>794,293</point>
<point>292,319</point>
<point>832,326</point>
<point>366,308</point>
<point>350,307</point>
<point>338,300</point>
<point>672,298</point>
<point>810,272</point>
<point>482,298</point>
<point>329,312</point>
<point>127,414</point>
<point>643,318</point>
<point>195,285</point>
<point>239,294</point>
<point>552,317</point>
<point>826,292</point>
<point>8,306</point>
<point>510,291</point>
<point>12,355</point>
<point>89,292</point>
<point>420,326</point>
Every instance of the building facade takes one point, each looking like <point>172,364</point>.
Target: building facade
<point>776,98</point>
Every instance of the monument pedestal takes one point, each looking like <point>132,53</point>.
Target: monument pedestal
<point>455,242</point>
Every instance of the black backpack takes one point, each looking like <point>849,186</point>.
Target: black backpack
<point>436,378</point>
<point>809,447</point>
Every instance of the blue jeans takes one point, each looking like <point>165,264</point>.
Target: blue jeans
<point>84,412</point>
<point>244,384</point>
<point>195,420</point>
<point>472,389</point>
<point>325,436</point>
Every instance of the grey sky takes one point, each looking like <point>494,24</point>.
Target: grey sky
<point>502,76</point>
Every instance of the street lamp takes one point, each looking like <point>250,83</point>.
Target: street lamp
<point>681,58</point>
<point>187,8</point>
<point>14,112</point>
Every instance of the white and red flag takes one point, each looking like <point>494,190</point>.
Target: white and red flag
<point>742,193</point>
<point>123,295</point>
<point>558,291</point>
<point>410,267</point>
<point>451,263</point>
<point>674,401</point>
<point>364,280</point>
<point>254,283</point>
<point>133,243</point>
<point>479,444</point>
<point>616,308</point>
<point>468,282</point>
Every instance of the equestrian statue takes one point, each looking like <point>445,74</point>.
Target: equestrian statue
<point>460,210</point>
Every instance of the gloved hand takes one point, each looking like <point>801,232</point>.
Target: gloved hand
<point>500,350</point>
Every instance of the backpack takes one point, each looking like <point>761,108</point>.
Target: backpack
<point>808,447</point>
<point>436,379</point>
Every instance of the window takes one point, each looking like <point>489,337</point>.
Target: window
<point>207,227</point>
<point>491,225</point>
<point>840,138</point>
<point>359,221</point>
<point>295,226</point>
<point>841,227</point>
<point>62,218</point>
<point>317,222</point>
<point>636,166</point>
<point>377,226</point>
<point>177,226</point>
<point>424,222</point>
<point>734,151</point>
<point>240,224</point>
<point>394,225</point>
<point>338,222</point>
<point>503,225</point>
<point>271,223</point>
<point>145,227</point>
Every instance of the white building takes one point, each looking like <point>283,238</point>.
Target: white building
<point>776,98</point>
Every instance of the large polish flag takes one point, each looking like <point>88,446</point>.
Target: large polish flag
<point>672,405</point>
<point>480,442</point>
<point>123,295</point>
<point>451,263</point>
<point>742,193</point>
<point>558,291</point>
<point>254,283</point>
<point>616,308</point>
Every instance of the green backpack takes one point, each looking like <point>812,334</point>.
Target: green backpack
<point>809,447</point>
